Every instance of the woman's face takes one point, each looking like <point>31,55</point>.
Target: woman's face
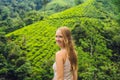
<point>59,38</point>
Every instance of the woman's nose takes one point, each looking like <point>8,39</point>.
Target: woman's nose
<point>57,38</point>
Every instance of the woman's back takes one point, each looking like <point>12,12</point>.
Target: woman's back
<point>67,70</point>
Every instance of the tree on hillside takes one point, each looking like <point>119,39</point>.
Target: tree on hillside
<point>95,50</point>
<point>13,65</point>
<point>14,12</point>
<point>117,5</point>
<point>2,44</point>
<point>44,5</point>
<point>77,2</point>
<point>32,16</point>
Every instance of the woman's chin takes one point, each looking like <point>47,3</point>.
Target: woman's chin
<point>59,45</point>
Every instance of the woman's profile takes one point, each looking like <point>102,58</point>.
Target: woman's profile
<point>65,66</point>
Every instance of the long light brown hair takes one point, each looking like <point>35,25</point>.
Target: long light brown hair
<point>69,46</point>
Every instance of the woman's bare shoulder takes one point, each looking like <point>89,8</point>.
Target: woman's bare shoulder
<point>61,54</point>
<point>58,56</point>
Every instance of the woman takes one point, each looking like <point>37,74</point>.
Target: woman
<point>65,67</point>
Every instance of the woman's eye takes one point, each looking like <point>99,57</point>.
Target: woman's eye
<point>59,36</point>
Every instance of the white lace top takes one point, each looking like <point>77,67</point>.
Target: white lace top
<point>67,70</point>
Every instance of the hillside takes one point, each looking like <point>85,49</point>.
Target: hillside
<point>37,40</point>
<point>19,13</point>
